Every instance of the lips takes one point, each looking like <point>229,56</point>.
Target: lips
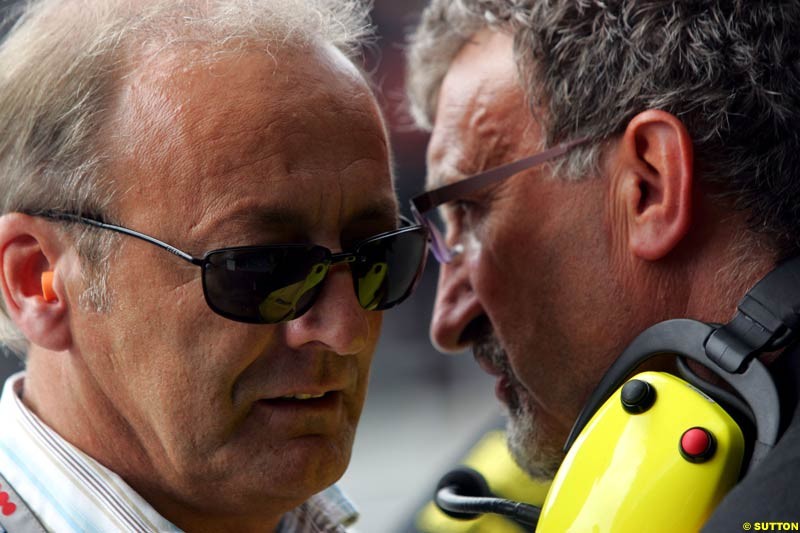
<point>302,396</point>
<point>304,401</point>
<point>308,402</point>
<point>492,359</point>
<point>306,392</point>
<point>303,393</point>
<point>319,415</point>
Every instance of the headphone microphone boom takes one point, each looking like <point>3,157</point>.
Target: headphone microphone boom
<point>464,494</point>
<point>655,449</point>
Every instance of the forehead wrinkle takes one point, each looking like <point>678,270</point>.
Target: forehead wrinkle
<point>446,146</point>
<point>499,122</point>
<point>482,117</point>
<point>240,156</point>
<point>472,136</point>
<point>237,143</point>
<point>483,136</point>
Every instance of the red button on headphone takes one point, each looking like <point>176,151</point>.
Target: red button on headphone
<point>697,445</point>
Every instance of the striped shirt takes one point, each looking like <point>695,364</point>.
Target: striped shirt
<point>68,491</point>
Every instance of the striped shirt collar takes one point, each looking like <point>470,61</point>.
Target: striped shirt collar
<point>69,491</point>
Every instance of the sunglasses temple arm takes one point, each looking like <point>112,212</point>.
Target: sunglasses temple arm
<point>126,231</point>
<point>152,240</point>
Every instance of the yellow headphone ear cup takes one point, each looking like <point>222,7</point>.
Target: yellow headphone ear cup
<point>47,286</point>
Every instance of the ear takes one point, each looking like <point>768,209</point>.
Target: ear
<point>30,248</point>
<point>655,169</point>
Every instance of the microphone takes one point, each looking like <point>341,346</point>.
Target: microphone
<point>464,494</point>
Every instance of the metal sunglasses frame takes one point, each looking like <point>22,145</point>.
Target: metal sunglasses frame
<point>334,258</point>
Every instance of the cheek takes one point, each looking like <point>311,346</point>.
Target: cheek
<point>364,363</point>
<point>374,322</point>
<point>166,354</point>
<point>507,272</point>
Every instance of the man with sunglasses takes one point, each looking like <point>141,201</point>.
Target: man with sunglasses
<point>600,167</point>
<point>198,234</point>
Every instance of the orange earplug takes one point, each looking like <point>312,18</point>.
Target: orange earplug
<point>47,287</point>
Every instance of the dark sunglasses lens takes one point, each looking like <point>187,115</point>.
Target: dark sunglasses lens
<point>266,285</point>
<point>391,267</point>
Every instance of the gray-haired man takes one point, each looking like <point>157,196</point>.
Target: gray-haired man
<point>198,232</point>
<point>678,192</point>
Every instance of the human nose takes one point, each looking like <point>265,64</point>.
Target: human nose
<point>456,305</point>
<point>336,321</point>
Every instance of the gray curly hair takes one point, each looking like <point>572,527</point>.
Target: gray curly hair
<point>729,70</point>
<point>58,69</point>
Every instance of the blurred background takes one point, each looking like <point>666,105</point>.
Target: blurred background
<point>424,409</point>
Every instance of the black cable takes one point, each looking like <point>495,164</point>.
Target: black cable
<point>447,499</point>
<point>464,494</point>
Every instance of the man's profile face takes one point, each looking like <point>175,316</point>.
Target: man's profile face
<point>533,291</point>
<point>248,150</point>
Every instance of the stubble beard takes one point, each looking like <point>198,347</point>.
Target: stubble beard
<point>533,451</point>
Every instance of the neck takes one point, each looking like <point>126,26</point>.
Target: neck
<point>721,275</point>
<point>722,260</point>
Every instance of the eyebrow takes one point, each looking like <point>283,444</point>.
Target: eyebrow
<point>380,210</point>
<point>267,218</point>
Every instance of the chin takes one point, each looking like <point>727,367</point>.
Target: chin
<point>533,447</point>
<point>292,470</point>
<point>321,460</point>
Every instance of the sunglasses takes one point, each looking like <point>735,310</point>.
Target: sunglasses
<point>277,283</point>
